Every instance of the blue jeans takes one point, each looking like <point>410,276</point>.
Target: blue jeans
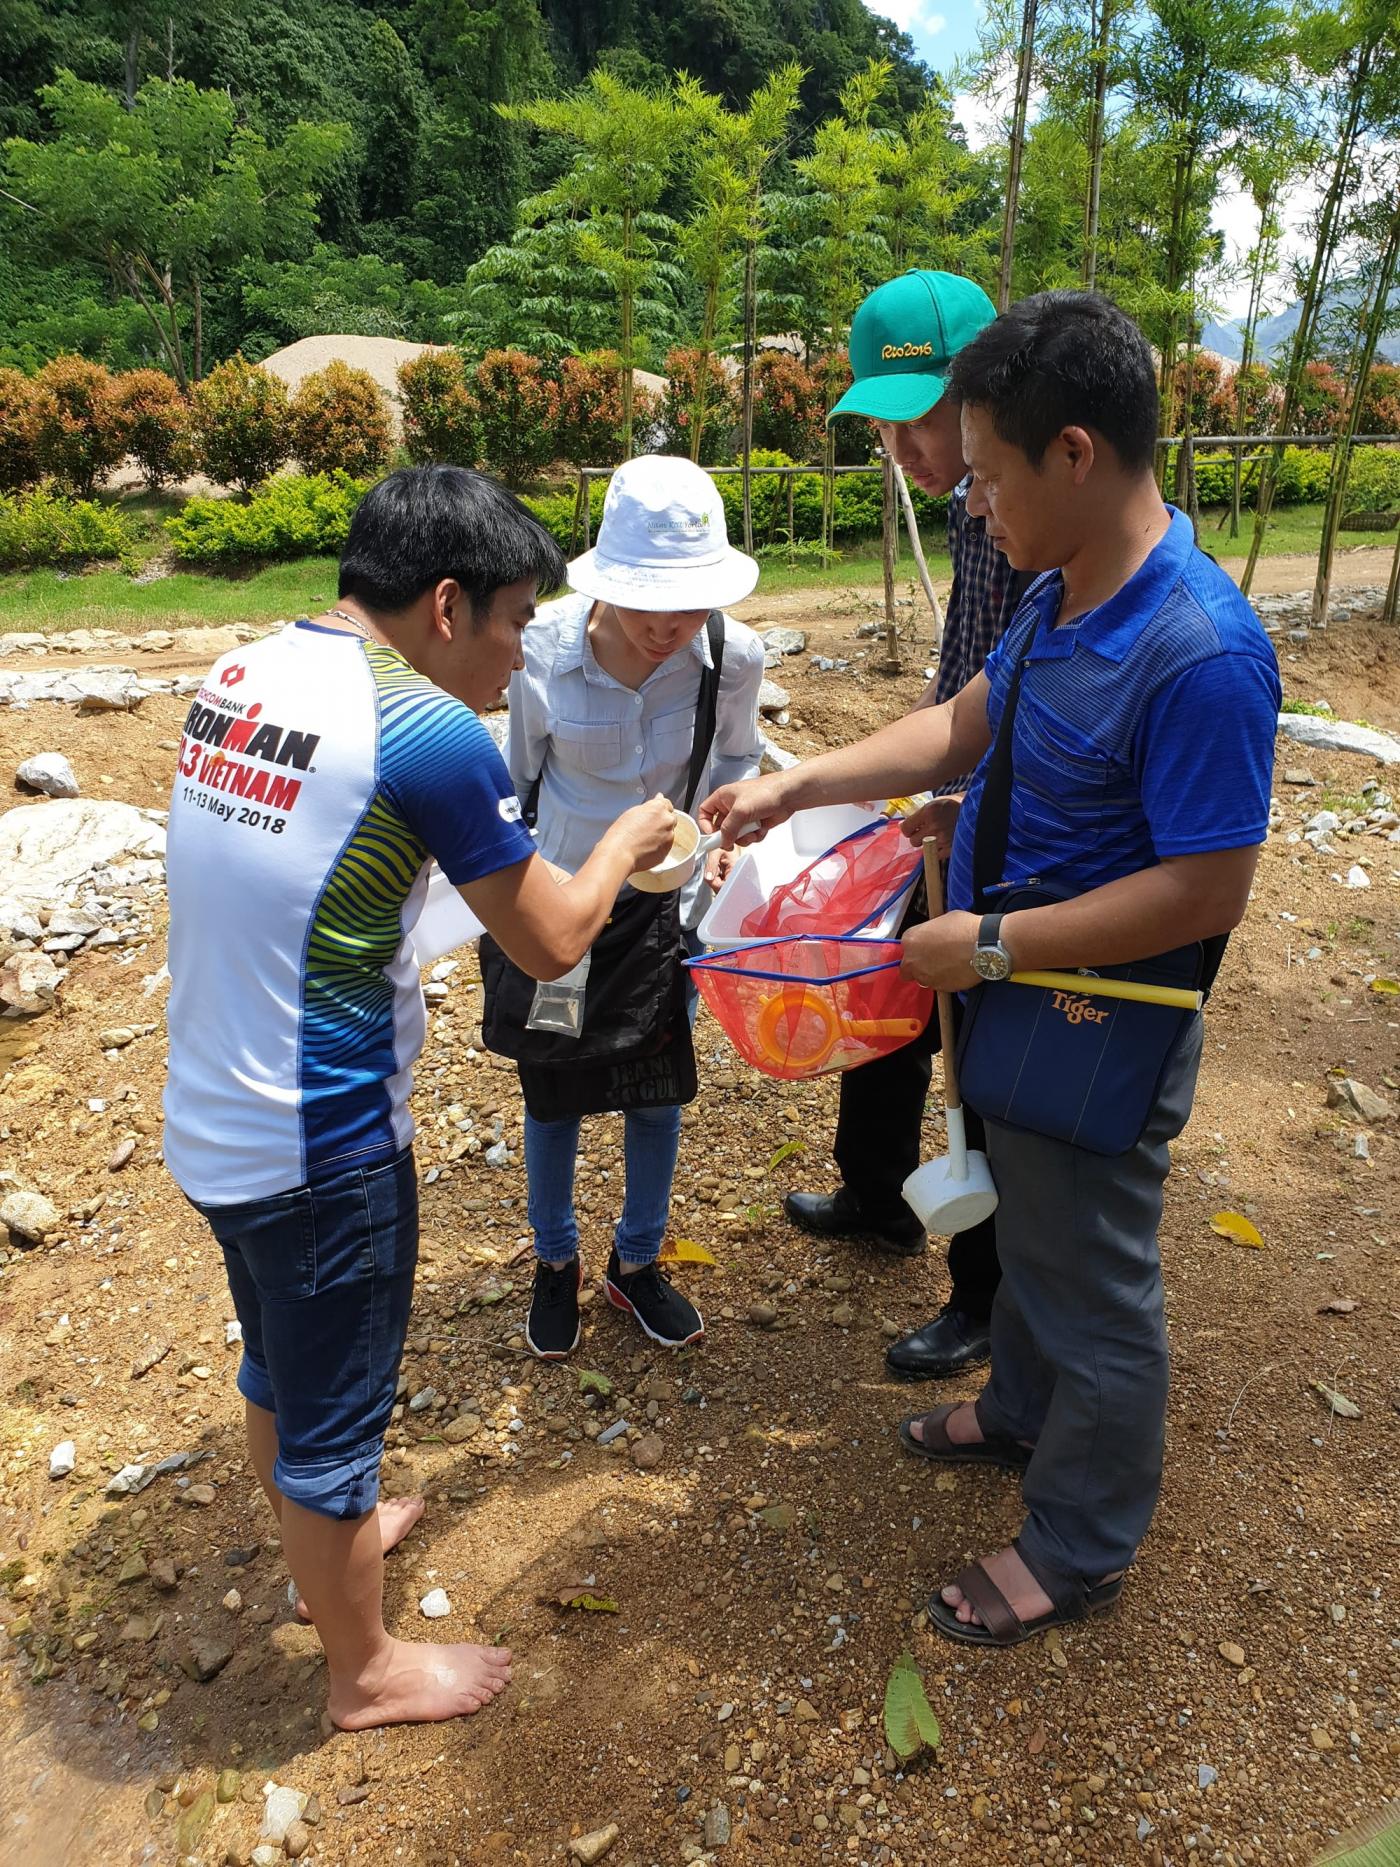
<point>651,1138</point>
<point>322,1282</point>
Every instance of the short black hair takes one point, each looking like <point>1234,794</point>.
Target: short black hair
<point>1061,360</point>
<point>421,524</point>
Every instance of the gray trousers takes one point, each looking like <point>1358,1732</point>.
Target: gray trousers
<point>1079,1337</point>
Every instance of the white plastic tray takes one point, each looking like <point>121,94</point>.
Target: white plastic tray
<point>445,923</point>
<point>782,854</point>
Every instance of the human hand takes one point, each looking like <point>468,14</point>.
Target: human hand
<point>647,831</point>
<point>938,953</point>
<point>717,866</point>
<point>937,819</point>
<point>735,808</point>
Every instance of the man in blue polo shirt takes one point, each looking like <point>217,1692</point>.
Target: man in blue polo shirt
<point>1145,699</point>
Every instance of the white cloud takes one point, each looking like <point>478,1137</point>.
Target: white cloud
<point>912,16</point>
<point>1236,216</point>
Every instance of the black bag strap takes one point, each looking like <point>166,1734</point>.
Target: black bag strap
<point>993,827</point>
<point>706,710</point>
<point>706,707</point>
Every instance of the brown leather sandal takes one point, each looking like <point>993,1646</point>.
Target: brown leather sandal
<point>1009,1454</point>
<point>1001,1625</point>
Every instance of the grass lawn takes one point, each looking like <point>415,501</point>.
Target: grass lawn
<point>109,599</point>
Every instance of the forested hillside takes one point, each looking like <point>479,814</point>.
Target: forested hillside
<point>419,179</point>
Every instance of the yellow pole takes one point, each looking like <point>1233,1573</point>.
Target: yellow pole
<point>1090,986</point>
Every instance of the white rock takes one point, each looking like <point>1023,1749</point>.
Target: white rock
<point>435,1606</point>
<point>48,772</point>
<point>282,1807</point>
<point>1324,822</point>
<point>497,1155</point>
<point>29,982</point>
<point>771,697</point>
<point>1340,736</point>
<point>29,1215</point>
<point>48,849</point>
<point>267,1854</point>
<point>423,1398</point>
<point>233,1334</point>
<point>1357,877</point>
<point>62,1459</point>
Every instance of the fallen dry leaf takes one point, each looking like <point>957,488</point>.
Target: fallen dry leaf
<point>1040,1737</point>
<point>1234,1225</point>
<point>1345,1409</point>
<point>686,1251</point>
<point>581,1596</point>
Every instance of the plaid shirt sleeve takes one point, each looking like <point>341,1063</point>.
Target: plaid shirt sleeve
<point>985,596</point>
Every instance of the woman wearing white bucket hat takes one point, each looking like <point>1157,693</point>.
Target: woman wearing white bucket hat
<point>636,684</point>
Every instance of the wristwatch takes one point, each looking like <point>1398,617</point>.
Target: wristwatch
<point>990,959</point>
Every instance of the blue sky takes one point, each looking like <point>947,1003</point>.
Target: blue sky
<point>942,30</point>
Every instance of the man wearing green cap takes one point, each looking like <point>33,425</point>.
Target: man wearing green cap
<point>903,339</point>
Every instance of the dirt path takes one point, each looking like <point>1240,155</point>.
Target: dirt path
<point>772,1566</point>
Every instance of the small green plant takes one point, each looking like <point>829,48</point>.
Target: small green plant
<point>291,516</point>
<point>1312,707</point>
<point>43,527</point>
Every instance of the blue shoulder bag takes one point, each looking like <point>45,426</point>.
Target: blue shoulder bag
<point>1070,1066</point>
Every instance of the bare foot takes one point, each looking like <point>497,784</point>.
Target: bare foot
<point>1027,1598</point>
<point>419,1683</point>
<point>397,1516</point>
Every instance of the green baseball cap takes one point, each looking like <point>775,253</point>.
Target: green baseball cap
<point>903,338</point>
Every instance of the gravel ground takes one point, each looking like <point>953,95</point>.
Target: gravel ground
<point>1242,1706</point>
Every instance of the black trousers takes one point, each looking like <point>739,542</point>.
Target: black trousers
<point>878,1145</point>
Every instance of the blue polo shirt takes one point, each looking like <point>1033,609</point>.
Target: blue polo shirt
<point>1144,729</point>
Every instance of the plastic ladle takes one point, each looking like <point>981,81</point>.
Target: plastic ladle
<point>956,1191</point>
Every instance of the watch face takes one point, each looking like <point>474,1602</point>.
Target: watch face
<point>991,963</point>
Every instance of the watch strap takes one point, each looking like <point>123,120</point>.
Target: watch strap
<point>989,931</point>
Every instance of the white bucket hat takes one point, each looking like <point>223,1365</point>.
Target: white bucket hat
<point>662,544</point>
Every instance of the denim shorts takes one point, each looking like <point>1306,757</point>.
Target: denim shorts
<point>322,1282</point>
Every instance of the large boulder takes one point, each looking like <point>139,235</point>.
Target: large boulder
<point>1315,729</point>
<point>48,773</point>
<point>48,848</point>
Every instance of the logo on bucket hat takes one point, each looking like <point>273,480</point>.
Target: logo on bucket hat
<point>904,338</point>
<point>663,544</point>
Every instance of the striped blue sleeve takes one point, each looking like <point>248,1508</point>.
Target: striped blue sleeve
<point>1205,756</point>
<point>440,768</point>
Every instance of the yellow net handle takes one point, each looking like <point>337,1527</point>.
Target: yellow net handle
<point>1088,985</point>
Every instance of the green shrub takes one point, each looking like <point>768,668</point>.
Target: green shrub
<point>18,465</point>
<point>156,420</point>
<point>1303,478</point>
<point>42,527</point>
<point>79,435</point>
<point>557,512</point>
<point>439,409</point>
<point>1373,484</point>
<point>241,424</point>
<point>340,420</point>
<point>294,515</point>
<point>517,412</point>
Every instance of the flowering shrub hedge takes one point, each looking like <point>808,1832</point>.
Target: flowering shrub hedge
<point>789,408</point>
<point>241,424</point>
<point>340,420</point>
<point>439,409</point>
<point>18,465</point>
<point>590,410</point>
<point>675,411</point>
<point>78,431</point>
<point>517,408</point>
<point>156,425</point>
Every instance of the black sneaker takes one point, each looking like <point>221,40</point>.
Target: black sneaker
<point>552,1327</point>
<point>649,1295</point>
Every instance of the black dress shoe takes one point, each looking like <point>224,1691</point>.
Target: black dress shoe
<point>950,1344</point>
<point>836,1215</point>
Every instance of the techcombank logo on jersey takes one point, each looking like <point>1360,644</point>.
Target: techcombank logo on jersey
<point>229,747</point>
